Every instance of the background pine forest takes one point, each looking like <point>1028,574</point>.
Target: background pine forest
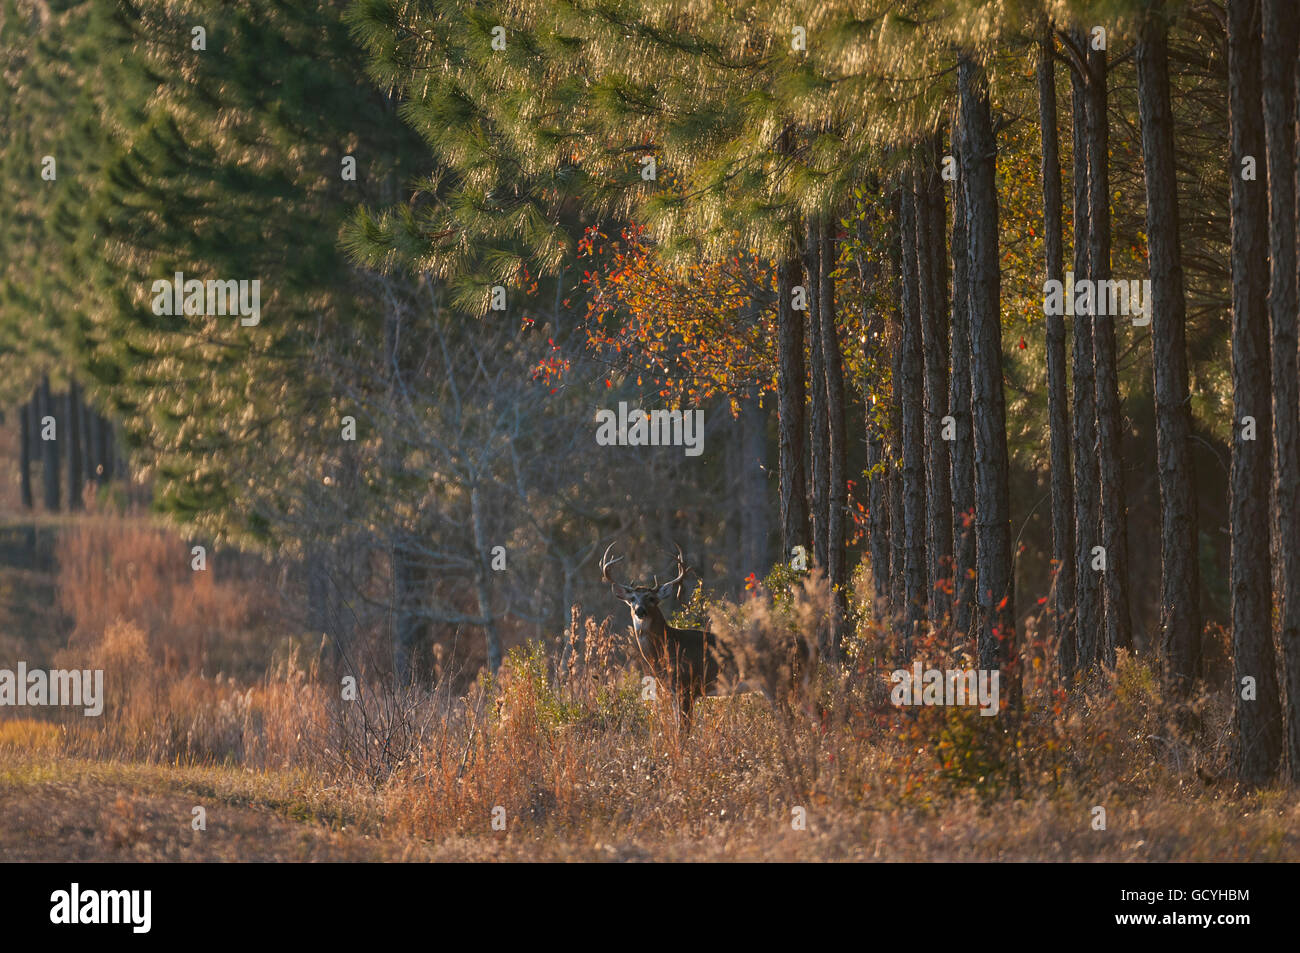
<point>827,225</point>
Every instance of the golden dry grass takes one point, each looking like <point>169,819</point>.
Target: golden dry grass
<point>580,766</point>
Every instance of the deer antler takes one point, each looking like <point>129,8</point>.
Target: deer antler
<point>605,563</point>
<point>682,570</point>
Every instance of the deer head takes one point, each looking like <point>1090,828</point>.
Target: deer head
<point>647,618</point>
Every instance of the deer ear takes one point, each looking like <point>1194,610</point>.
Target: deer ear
<point>666,590</point>
<point>619,592</point>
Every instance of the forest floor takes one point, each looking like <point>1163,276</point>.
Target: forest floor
<point>61,809</point>
<point>624,790</point>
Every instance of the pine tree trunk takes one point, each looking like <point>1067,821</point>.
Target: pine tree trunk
<point>755,527</point>
<point>1088,616</point>
<point>25,414</point>
<point>911,397</point>
<point>108,447</point>
<point>837,490</point>
<point>1114,519</point>
<point>1180,616</point>
<point>1257,722</point>
<point>988,403</point>
<point>790,412</point>
<point>1058,414</point>
<point>94,447</point>
<point>84,414</point>
<point>75,484</point>
<point>897,533</point>
<point>963,446</point>
<point>49,448</point>
<point>877,429</point>
<point>1279,63</point>
<point>818,438</point>
<point>933,279</point>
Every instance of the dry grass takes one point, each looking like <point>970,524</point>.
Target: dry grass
<point>563,745</point>
<point>114,568</point>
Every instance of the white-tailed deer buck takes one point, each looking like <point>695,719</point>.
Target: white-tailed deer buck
<point>690,663</point>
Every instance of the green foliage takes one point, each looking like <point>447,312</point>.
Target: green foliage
<point>970,750</point>
<point>232,174</point>
<point>557,703</point>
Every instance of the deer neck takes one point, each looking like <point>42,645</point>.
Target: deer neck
<point>651,633</point>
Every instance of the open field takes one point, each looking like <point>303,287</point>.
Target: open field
<point>583,768</point>
<point>650,430</point>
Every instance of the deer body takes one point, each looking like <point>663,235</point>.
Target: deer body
<point>688,662</point>
<point>692,663</point>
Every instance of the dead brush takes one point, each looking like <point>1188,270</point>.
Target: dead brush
<point>156,715</point>
<point>125,568</point>
<point>772,645</point>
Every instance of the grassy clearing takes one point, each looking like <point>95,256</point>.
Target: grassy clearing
<point>581,765</point>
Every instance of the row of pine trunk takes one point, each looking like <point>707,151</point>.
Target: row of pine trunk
<point>68,443</point>
<point>939,528</point>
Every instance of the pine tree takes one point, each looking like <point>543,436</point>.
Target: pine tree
<point>1180,616</point>
<point>963,444</point>
<point>995,584</point>
<point>1281,37</point>
<point>1257,722</point>
<point>1089,616</point>
<point>910,394</point>
<point>1062,482</point>
<point>1114,518</point>
<point>233,175</point>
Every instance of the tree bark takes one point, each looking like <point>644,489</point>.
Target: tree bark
<point>818,438</point>
<point>94,447</point>
<point>837,490</point>
<point>1088,618</point>
<point>85,414</point>
<point>49,448</point>
<point>1180,615</point>
<point>995,591</point>
<point>1114,519</point>
<point>897,533</point>
<point>1279,63</point>
<point>790,412</point>
<point>1257,723</point>
<point>877,432</point>
<point>933,280</point>
<point>108,449</point>
<point>25,415</point>
<point>755,527</point>
<point>73,425</point>
<point>911,397</point>
<point>1058,413</point>
<point>963,446</point>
